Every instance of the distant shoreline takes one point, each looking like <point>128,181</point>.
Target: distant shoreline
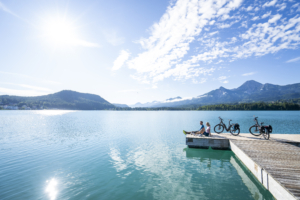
<point>257,106</point>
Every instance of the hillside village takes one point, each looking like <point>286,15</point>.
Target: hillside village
<point>14,106</point>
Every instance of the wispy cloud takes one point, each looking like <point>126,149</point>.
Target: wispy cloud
<point>129,90</point>
<point>9,91</point>
<point>84,43</point>
<point>275,18</point>
<point>260,39</point>
<point>33,90</point>
<point>249,74</point>
<point>223,79</point>
<point>281,6</point>
<point>293,60</point>
<point>270,3</point>
<point>170,40</point>
<point>5,9</point>
<point>266,15</point>
<point>122,58</point>
<point>113,38</point>
<point>186,43</point>
<point>30,77</point>
<point>29,87</point>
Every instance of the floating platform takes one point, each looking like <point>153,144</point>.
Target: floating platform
<point>275,162</point>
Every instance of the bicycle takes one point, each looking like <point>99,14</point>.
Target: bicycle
<point>257,129</point>
<point>233,128</point>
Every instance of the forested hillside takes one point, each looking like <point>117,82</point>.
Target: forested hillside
<point>65,99</point>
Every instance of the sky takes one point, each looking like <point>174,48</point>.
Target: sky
<point>140,51</point>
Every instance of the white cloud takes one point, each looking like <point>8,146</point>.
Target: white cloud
<point>293,60</point>
<point>244,24</point>
<point>256,9</point>
<point>199,81</point>
<point>29,87</point>
<point>122,58</point>
<point>281,6</point>
<point>249,74</point>
<point>296,5</point>
<point>275,18</point>
<point>29,77</point>
<point>270,3</point>
<point>213,33</point>
<point>113,38</point>
<point>260,39</point>
<point>9,91</point>
<point>83,43</point>
<point>223,79</point>
<point>170,39</point>
<point>266,15</point>
<point>167,52</point>
<point>224,25</point>
<point>249,8</point>
<point>212,22</point>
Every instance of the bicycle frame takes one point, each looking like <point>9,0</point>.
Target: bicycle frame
<point>224,125</point>
<point>257,124</point>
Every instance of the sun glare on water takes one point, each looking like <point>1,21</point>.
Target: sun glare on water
<point>51,189</point>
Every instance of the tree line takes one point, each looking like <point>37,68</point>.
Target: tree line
<point>253,106</point>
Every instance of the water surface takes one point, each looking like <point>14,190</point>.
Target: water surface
<point>123,155</point>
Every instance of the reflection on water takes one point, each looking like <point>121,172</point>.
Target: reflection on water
<point>116,155</point>
<point>53,112</point>
<point>228,159</point>
<point>51,189</point>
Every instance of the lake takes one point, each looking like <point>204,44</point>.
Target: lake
<point>124,155</point>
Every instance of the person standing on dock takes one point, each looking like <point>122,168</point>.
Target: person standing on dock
<point>200,131</point>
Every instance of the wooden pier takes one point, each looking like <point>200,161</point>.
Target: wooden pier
<point>275,162</point>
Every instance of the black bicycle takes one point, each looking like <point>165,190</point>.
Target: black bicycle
<point>257,129</point>
<point>233,128</point>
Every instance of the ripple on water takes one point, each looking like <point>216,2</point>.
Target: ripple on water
<point>118,155</point>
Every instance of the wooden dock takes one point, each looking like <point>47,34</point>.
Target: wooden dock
<point>275,162</point>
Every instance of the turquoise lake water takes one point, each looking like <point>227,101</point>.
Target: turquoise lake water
<point>124,155</point>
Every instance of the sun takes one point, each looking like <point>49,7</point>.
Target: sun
<point>60,32</point>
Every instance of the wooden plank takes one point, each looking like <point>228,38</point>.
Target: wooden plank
<point>280,160</point>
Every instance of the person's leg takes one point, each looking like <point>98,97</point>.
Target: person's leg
<point>186,132</point>
<point>198,133</point>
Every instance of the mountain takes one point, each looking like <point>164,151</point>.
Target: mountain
<point>65,99</point>
<point>175,98</point>
<point>144,105</point>
<point>120,105</point>
<point>250,91</point>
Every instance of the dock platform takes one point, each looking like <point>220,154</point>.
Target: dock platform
<point>275,162</point>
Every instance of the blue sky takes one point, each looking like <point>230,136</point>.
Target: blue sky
<point>141,51</point>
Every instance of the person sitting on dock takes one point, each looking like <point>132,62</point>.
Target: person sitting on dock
<point>200,131</point>
<point>207,132</point>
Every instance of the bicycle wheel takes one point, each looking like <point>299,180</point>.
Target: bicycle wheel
<point>254,130</point>
<point>219,128</point>
<point>234,132</point>
<point>266,134</point>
